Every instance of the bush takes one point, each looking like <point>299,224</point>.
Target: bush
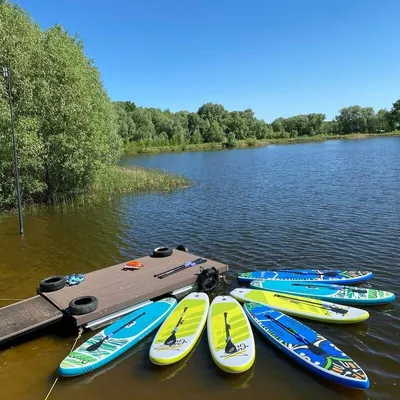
<point>251,141</point>
<point>230,140</point>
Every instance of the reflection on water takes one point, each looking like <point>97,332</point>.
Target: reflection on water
<point>327,205</point>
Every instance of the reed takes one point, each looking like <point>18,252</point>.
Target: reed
<point>136,180</point>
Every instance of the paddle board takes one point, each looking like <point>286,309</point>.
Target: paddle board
<point>116,338</point>
<point>306,346</point>
<point>230,337</point>
<point>334,276</point>
<point>325,291</point>
<point>181,330</point>
<point>302,306</point>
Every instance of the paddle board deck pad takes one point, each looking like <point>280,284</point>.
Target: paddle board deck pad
<point>325,291</point>
<point>302,307</point>
<point>181,330</point>
<point>123,334</point>
<point>306,346</point>
<point>230,337</point>
<point>334,276</point>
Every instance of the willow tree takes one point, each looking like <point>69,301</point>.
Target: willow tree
<point>65,123</point>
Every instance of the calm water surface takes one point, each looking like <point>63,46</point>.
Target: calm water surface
<point>327,205</point>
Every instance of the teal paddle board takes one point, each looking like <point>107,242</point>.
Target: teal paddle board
<point>326,291</point>
<point>329,276</point>
<point>117,338</point>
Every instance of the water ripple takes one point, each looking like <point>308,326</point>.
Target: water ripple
<point>317,205</point>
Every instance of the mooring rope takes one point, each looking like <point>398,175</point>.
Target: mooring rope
<point>72,349</point>
<point>12,299</point>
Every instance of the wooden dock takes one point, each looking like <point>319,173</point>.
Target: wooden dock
<point>114,288</point>
<point>26,316</point>
<point>117,289</point>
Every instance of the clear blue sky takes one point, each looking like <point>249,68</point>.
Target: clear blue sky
<point>280,58</point>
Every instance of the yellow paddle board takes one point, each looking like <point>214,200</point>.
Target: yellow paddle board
<point>302,307</point>
<point>181,330</point>
<point>230,337</point>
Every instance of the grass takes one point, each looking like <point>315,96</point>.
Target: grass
<point>136,180</point>
<point>134,148</point>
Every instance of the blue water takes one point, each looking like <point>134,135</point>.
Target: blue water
<point>331,205</point>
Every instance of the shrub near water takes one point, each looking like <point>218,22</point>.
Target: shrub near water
<point>64,121</point>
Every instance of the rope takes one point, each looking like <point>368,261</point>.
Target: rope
<point>72,349</point>
<point>225,282</point>
<point>11,299</point>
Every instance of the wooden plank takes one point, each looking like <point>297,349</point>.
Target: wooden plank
<point>116,289</point>
<point>26,316</point>
<point>5,329</point>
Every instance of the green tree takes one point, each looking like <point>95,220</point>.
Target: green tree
<point>261,130</point>
<point>20,48</point>
<point>145,129</point>
<point>65,123</point>
<point>383,121</point>
<point>278,126</point>
<point>194,122</point>
<point>352,120</point>
<point>230,140</point>
<point>195,136</point>
<point>212,132</point>
<point>237,123</point>
<point>394,116</point>
<point>213,112</point>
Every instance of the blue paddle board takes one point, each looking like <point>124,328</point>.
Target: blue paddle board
<point>117,338</point>
<point>307,347</point>
<point>330,276</point>
<point>326,291</point>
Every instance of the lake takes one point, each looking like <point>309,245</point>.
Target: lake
<point>334,204</point>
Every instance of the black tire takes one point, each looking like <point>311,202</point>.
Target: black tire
<point>162,252</point>
<point>183,248</point>
<point>208,280</point>
<point>83,305</point>
<point>52,283</point>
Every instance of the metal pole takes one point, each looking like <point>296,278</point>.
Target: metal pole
<point>6,75</point>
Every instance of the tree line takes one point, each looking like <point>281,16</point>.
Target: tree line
<point>213,123</point>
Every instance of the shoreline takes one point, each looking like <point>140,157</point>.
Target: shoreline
<point>250,142</point>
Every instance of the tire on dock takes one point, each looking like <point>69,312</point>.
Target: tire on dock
<point>83,305</point>
<point>162,251</point>
<point>181,247</point>
<point>52,283</point>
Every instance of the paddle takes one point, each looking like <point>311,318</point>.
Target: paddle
<point>197,261</point>
<point>338,287</point>
<point>230,348</point>
<point>315,349</point>
<point>172,339</point>
<point>179,266</point>
<point>333,308</point>
<point>187,264</point>
<point>95,346</point>
<point>326,273</point>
